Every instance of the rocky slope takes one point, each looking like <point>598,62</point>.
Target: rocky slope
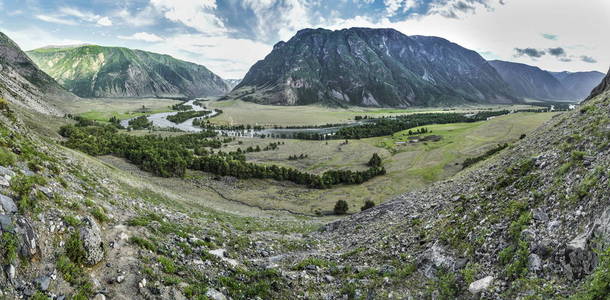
<point>601,88</point>
<point>22,83</point>
<point>533,222</point>
<point>579,84</point>
<point>232,83</point>
<point>95,71</point>
<point>371,67</point>
<point>534,83</point>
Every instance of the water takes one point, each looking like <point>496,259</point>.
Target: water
<point>160,120</point>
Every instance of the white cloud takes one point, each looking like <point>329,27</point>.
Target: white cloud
<point>197,14</point>
<point>143,36</point>
<point>227,57</point>
<point>104,21</point>
<point>145,17</point>
<point>54,19</point>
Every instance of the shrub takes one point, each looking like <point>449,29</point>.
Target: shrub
<point>367,204</point>
<point>341,207</point>
<point>375,161</point>
<point>7,158</point>
<point>75,250</point>
<point>99,214</point>
<point>167,264</point>
<point>8,248</point>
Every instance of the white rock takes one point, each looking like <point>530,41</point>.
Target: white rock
<point>480,285</point>
<point>11,272</point>
<point>142,283</point>
<point>215,295</point>
<point>120,279</point>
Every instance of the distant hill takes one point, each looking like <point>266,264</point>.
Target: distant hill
<point>232,83</point>
<point>96,71</point>
<point>22,83</point>
<point>579,84</point>
<point>371,67</point>
<point>532,82</point>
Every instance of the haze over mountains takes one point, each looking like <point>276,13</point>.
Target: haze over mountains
<point>372,67</point>
<point>534,83</point>
<point>95,71</point>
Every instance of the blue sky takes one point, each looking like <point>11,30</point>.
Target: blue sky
<point>228,36</point>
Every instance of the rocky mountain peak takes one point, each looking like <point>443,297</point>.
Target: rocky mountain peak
<point>602,87</point>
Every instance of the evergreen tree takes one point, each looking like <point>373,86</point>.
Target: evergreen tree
<point>341,207</point>
<point>375,161</point>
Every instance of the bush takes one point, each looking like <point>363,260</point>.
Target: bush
<point>8,248</point>
<point>341,207</point>
<point>367,204</point>
<point>375,161</point>
<point>75,250</point>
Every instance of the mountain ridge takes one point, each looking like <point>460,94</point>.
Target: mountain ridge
<point>371,67</point>
<point>99,71</point>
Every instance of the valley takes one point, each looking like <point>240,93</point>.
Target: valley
<point>346,163</point>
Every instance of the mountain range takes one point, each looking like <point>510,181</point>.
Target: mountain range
<point>372,67</point>
<point>534,83</point>
<point>96,71</point>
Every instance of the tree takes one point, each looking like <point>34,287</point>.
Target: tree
<point>341,207</point>
<point>367,204</point>
<point>375,161</point>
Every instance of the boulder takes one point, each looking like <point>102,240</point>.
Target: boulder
<point>29,244</point>
<point>8,205</point>
<point>480,285</point>
<point>580,260</point>
<point>534,263</point>
<point>6,223</point>
<point>91,236</point>
<point>215,295</point>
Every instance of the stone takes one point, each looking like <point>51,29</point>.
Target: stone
<point>4,182</point>
<point>6,172</point>
<point>6,223</point>
<point>534,263</point>
<point>120,278</point>
<point>91,236</point>
<point>24,229</point>
<point>8,205</point>
<point>43,282</point>
<point>215,295</point>
<point>579,258</point>
<point>540,215</point>
<point>99,296</point>
<point>142,283</point>
<point>480,285</point>
<point>10,271</point>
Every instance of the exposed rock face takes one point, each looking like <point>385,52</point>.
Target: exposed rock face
<point>602,87</point>
<point>22,83</point>
<point>371,67</point>
<point>480,285</point>
<point>95,71</point>
<point>91,236</point>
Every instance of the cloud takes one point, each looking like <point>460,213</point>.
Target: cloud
<point>145,17</point>
<point>557,51</point>
<point>85,16</point>
<point>143,36</point>
<point>56,20</point>
<point>531,52</point>
<point>197,14</point>
<point>549,36</point>
<point>588,59</point>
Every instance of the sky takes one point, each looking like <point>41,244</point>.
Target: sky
<point>229,36</point>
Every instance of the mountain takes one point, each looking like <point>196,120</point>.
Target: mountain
<point>534,83</point>
<point>531,82</point>
<point>96,71</point>
<point>232,83</point>
<point>22,83</point>
<point>604,86</point>
<point>579,84</point>
<point>371,67</point>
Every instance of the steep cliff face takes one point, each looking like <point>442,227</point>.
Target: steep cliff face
<point>22,83</point>
<point>371,67</point>
<point>604,86</point>
<point>95,71</point>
